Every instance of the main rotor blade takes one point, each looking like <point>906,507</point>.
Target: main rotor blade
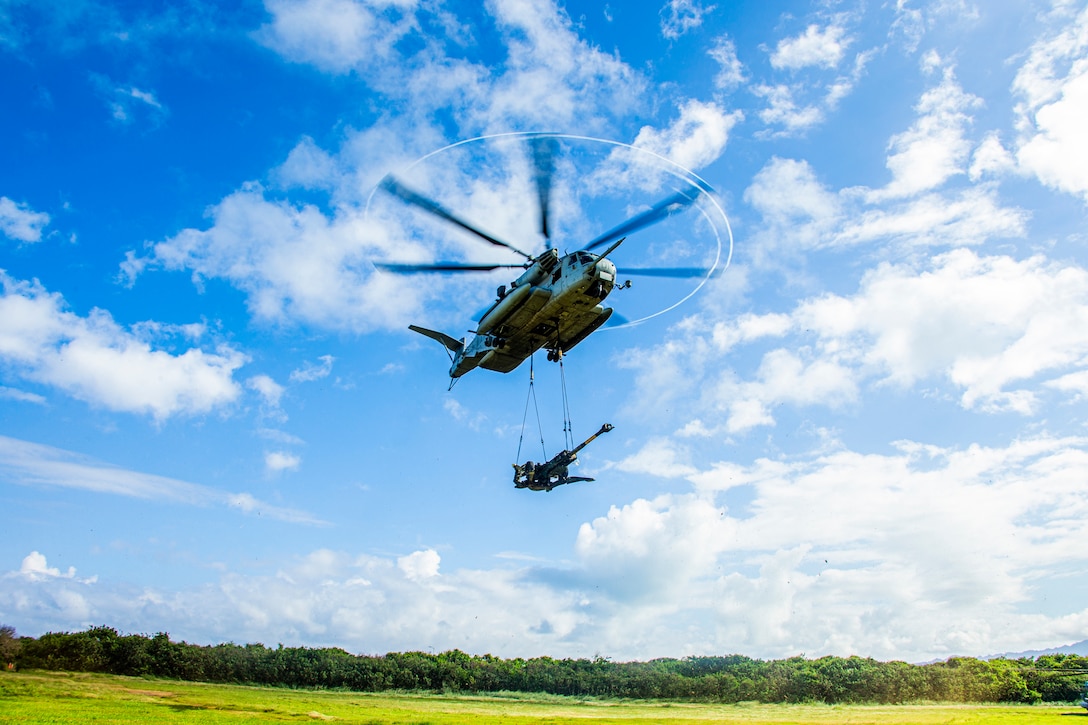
<point>615,320</point>
<point>441,267</point>
<point>678,272</point>
<point>664,208</point>
<point>398,189</point>
<point>544,150</point>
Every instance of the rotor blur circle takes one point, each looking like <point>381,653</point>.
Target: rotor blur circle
<point>624,163</point>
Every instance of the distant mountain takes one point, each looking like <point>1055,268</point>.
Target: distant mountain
<point>1077,648</point>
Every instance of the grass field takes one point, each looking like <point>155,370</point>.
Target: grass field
<point>55,698</point>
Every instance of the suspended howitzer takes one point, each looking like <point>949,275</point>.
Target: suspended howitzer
<point>556,472</point>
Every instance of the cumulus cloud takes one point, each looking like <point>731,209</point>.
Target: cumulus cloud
<point>20,222</point>
<point>96,360</point>
<point>300,264</point>
<point>309,167</point>
<point>294,263</point>
<point>551,73</point>
<point>697,138</point>
<point>35,567</point>
<point>277,461</point>
<point>783,110</point>
<point>269,390</point>
<point>337,35</point>
<point>420,564</point>
<point>935,147</point>
<point>659,458</point>
<point>799,212</point>
<point>329,598</point>
<point>920,552</point>
<point>998,331</point>
<point>1053,86</point>
<point>964,324</point>
<point>816,46</point>
<point>991,158</point>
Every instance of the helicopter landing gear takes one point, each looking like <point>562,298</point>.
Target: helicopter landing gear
<point>555,355</point>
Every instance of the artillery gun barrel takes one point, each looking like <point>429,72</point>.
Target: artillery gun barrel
<point>604,429</point>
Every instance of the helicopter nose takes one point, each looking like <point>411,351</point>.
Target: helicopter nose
<point>606,268</point>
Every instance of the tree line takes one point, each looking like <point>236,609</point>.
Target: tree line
<point>729,679</point>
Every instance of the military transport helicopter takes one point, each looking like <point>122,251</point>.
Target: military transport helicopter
<point>556,302</point>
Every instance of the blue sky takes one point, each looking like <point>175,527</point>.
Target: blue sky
<point>866,437</point>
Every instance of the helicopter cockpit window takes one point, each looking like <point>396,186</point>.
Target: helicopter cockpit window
<point>584,258</point>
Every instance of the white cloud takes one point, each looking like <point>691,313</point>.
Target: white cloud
<point>269,390</point>
<point>783,376</point>
<point>474,419</point>
<point>1053,83</point>
<point>786,191</point>
<point>784,111</point>
<point>551,73</point>
<point>127,103</point>
<point>935,147</point>
<point>309,167</point>
<point>548,73</point>
<point>996,331</point>
<point>696,139</point>
<point>793,108</point>
<point>1076,383</point>
<point>20,222</point>
<point>680,16</point>
<point>96,360</point>
<point>310,372</point>
<point>991,158</point>
<point>21,395</point>
<point>799,212</point>
<point>944,545</point>
<point>969,217</point>
<point>337,35</point>
<point>32,464</point>
<point>420,565</point>
<point>35,566</point>
<point>825,538</point>
<point>731,70</point>
<point>816,46</point>
<point>298,264</point>
<point>276,461</point>
<point>295,264</point>
<point>1058,152</point>
<point>983,322</point>
<point>913,22</point>
<point>659,458</point>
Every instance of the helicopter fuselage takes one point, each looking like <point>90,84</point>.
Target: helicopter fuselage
<point>554,304</point>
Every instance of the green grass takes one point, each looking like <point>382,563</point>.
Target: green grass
<point>55,698</point>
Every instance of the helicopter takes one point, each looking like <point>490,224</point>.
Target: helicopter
<point>556,302</point>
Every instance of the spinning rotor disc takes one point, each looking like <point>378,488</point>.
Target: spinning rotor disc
<point>525,192</point>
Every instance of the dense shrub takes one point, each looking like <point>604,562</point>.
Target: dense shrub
<point>733,678</point>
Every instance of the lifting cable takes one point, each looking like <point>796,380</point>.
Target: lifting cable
<point>531,396</point>
<point>568,427</point>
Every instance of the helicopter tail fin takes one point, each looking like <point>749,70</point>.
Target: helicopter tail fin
<point>455,346</point>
